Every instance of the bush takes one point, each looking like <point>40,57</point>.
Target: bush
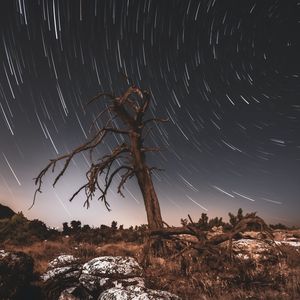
<point>20,231</point>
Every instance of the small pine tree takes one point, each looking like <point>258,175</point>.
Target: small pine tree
<point>76,225</point>
<point>66,228</point>
<point>114,225</point>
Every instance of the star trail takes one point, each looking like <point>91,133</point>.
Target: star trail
<point>225,73</point>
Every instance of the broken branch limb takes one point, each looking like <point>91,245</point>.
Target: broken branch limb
<point>111,96</point>
<point>161,120</point>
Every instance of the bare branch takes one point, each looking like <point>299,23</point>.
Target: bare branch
<point>146,97</point>
<point>108,183</point>
<point>155,169</point>
<point>151,149</point>
<point>68,157</point>
<point>98,117</point>
<point>160,120</point>
<point>130,172</point>
<point>128,79</point>
<point>77,192</point>
<point>89,145</point>
<point>166,224</point>
<point>111,96</point>
<point>148,131</point>
<point>116,130</point>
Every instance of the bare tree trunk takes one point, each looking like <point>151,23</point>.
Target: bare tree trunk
<point>150,199</point>
<point>145,183</point>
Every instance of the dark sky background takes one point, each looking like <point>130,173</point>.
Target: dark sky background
<point>226,73</point>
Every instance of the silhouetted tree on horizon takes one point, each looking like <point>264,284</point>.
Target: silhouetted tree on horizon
<point>114,225</point>
<point>127,159</point>
<point>76,225</point>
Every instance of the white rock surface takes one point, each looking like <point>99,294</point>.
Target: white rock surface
<point>112,265</point>
<point>67,271</point>
<point>293,243</point>
<point>3,253</point>
<point>111,277</point>
<point>62,260</point>
<point>65,266</point>
<point>67,294</point>
<point>136,293</point>
<point>93,283</point>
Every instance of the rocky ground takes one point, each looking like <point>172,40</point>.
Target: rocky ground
<point>256,268</point>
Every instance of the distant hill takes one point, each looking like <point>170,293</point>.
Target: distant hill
<point>6,212</point>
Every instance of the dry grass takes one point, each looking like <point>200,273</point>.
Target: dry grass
<point>120,248</point>
<point>192,277</point>
<point>43,252</point>
<point>215,276</point>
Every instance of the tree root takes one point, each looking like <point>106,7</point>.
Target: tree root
<point>157,242</point>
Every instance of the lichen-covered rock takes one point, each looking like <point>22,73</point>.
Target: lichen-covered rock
<point>63,273</point>
<point>258,250</point>
<point>96,284</point>
<point>136,293</point>
<point>293,242</point>
<point>252,235</point>
<point>105,272</point>
<point>16,273</point>
<point>109,266</point>
<point>62,261</point>
<point>62,267</point>
<point>66,279</point>
<point>75,293</point>
<point>67,294</point>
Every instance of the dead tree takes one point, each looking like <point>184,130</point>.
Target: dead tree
<point>130,111</point>
<point>202,243</point>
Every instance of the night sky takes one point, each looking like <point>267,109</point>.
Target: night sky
<point>225,73</point>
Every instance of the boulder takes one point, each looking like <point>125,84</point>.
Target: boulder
<point>62,261</point>
<point>66,279</point>
<point>258,250</point>
<point>62,274</point>
<point>136,293</point>
<point>117,266</point>
<point>252,235</point>
<point>95,285</point>
<point>67,294</point>
<point>62,267</point>
<point>105,272</point>
<point>16,274</point>
<point>75,293</point>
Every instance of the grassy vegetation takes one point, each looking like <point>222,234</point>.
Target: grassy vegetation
<point>210,274</point>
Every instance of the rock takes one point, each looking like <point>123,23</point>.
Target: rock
<point>118,266</point>
<point>64,266</point>
<point>66,279</point>
<point>258,250</point>
<point>75,293</point>
<point>290,242</point>
<point>16,273</point>
<point>252,235</point>
<point>188,237</point>
<point>136,293</point>
<point>63,273</point>
<point>95,285</point>
<point>216,230</point>
<point>67,294</point>
<point>62,260</point>
<point>105,272</point>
